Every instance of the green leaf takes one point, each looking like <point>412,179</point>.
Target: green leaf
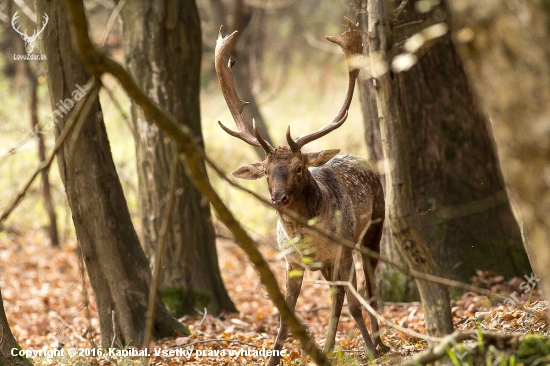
<point>295,273</point>
<point>313,221</point>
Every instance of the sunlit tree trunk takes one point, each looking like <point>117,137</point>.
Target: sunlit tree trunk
<point>404,222</point>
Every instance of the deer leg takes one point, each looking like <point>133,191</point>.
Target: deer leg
<point>371,295</point>
<point>372,241</point>
<point>354,304</point>
<point>293,286</point>
<point>337,295</point>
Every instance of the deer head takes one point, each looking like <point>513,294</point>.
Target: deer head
<point>29,40</point>
<point>286,167</point>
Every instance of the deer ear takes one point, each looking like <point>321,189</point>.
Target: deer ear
<point>319,158</point>
<point>250,171</point>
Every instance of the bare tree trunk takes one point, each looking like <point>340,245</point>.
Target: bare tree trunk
<point>162,44</point>
<point>404,221</point>
<point>392,285</point>
<point>46,186</point>
<point>116,264</point>
<point>8,342</point>
<point>505,50</point>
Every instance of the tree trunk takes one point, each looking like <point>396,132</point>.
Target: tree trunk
<point>457,184</point>
<point>392,285</point>
<point>118,270</point>
<point>46,186</point>
<point>162,43</point>
<point>458,188</point>
<point>8,342</point>
<point>404,222</point>
<point>505,51</point>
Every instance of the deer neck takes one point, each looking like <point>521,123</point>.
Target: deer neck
<point>311,200</point>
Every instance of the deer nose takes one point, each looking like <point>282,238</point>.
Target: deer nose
<point>280,198</point>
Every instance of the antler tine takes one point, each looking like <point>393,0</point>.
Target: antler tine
<point>235,104</point>
<point>352,45</point>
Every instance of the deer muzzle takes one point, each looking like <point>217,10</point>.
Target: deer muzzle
<point>281,198</point>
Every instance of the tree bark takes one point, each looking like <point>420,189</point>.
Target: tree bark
<point>118,270</point>
<point>505,51</point>
<point>8,342</point>
<point>392,285</point>
<point>162,43</point>
<point>404,222</point>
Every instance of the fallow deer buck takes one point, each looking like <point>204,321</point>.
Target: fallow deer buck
<point>341,191</point>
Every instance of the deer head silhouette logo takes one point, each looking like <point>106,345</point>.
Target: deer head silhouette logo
<point>29,40</point>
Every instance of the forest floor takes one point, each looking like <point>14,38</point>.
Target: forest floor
<point>48,308</point>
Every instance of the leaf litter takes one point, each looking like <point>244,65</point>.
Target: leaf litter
<point>47,309</point>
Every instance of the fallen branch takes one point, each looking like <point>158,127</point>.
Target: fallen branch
<point>448,342</point>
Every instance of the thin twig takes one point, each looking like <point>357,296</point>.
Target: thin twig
<point>114,327</point>
<point>448,342</point>
<point>216,340</point>
<point>67,325</point>
<point>81,112</point>
<point>203,318</point>
<point>86,302</point>
<point>195,334</point>
<point>399,9</point>
<point>380,318</point>
<point>111,21</point>
<point>166,221</point>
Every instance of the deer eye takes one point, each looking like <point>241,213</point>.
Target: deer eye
<point>299,171</point>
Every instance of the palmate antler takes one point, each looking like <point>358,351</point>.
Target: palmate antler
<point>235,104</point>
<point>352,45</point>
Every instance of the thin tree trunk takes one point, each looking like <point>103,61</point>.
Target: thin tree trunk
<point>8,342</point>
<point>505,51</point>
<point>116,264</point>
<point>162,43</point>
<point>404,221</point>
<point>392,285</point>
<point>37,133</point>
